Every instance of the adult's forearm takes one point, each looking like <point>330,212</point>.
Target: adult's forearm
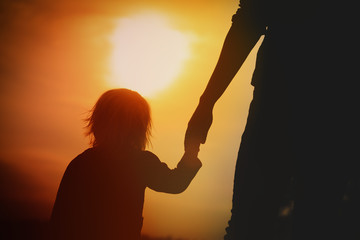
<point>237,46</point>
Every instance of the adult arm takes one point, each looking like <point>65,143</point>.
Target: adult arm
<point>241,38</point>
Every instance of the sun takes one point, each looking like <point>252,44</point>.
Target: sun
<point>148,54</point>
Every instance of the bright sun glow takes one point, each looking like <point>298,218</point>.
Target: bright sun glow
<point>148,53</point>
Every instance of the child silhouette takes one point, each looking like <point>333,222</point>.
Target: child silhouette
<point>101,194</point>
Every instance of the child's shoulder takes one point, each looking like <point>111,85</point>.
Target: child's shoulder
<point>148,156</point>
<point>83,159</point>
<point>84,156</point>
<point>148,159</point>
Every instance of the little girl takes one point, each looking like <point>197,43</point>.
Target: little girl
<point>101,194</point>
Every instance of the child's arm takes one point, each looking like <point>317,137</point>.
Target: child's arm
<point>163,179</point>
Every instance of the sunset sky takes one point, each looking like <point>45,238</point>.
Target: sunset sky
<point>57,57</point>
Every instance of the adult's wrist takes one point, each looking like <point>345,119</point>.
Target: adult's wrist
<point>206,103</point>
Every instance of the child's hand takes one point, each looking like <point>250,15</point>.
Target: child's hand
<point>192,152</point>
<point>198,128</point>
<point>191,159</point>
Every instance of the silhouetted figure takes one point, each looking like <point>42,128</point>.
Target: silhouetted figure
<point>300,125</point>
<point>101,194</point>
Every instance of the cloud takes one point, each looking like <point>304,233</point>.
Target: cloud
<point>28,183</point>
<point>15,189</point>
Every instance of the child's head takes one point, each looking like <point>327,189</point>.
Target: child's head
<point>120,119</point>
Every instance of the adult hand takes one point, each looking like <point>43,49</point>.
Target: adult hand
<point>198,128</point>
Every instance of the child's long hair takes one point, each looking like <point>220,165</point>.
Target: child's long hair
<point>120,119</point>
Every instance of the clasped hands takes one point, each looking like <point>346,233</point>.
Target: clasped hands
<point>198,128</point>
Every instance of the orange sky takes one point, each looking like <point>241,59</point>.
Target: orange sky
<point>54,62</point>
